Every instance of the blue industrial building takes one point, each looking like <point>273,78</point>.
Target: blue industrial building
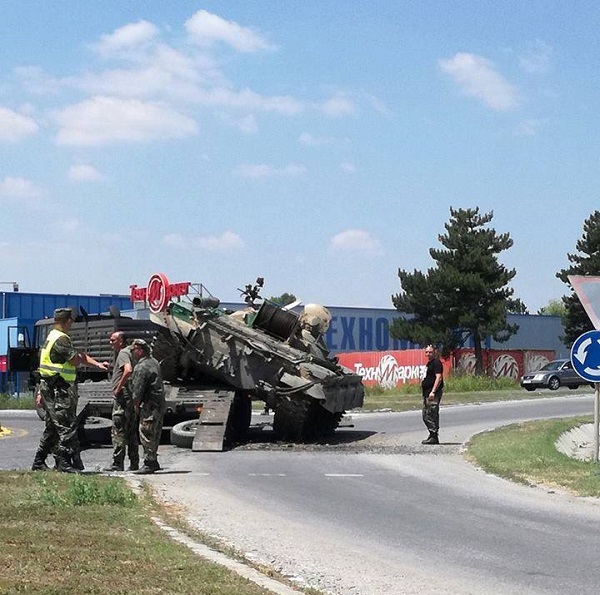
<point>351,329</point>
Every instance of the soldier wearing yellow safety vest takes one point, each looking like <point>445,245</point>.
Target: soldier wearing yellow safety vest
<point>57,394</point>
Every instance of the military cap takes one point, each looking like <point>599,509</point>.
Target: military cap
<point>141,344</point>
<point>63,313</point>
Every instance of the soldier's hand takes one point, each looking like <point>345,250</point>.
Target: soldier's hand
<point>39,400</point>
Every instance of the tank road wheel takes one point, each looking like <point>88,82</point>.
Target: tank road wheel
<point>303,419</point>
<point>182,434</point>
<point>240,416</point>
<point>166,349</point>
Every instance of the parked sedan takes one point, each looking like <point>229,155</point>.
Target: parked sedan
<point>553,375</point>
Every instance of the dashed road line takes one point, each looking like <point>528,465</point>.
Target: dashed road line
<point>344,474</point>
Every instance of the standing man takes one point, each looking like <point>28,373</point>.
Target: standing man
<point>149,399</point>
<point>57,394</point>
<point>432,387</point>
<point>124,429</point>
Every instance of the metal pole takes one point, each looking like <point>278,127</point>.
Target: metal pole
<point>596,420</point>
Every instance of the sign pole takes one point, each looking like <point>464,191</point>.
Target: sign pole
<point>596,420</point>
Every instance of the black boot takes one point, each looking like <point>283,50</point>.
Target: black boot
<point>77,463</point>
<point>115,466</point>
<point>63,464</point>
<point>148,468</point>
<point>433,439</point>
<point>39,462</point>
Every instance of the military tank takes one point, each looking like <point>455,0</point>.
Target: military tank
<point>216,361</point>
<point>264,352</point>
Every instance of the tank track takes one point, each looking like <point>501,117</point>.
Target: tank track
<point>304,419</point>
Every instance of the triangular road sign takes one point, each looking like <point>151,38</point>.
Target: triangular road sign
<point>588,291</point>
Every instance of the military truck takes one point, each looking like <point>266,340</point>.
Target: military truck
<point>215,362</point>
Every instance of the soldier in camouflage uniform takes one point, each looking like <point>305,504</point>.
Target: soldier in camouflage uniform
<point>149,398</point>
<point>57,394</point>
<point>125,428</point>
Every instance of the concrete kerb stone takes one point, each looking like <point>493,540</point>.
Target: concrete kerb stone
<point>577,443</point>
<point>217,557</point>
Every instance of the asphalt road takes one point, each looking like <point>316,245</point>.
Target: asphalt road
<point>376,512</point>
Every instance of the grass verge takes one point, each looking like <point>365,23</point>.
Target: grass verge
<point>525,453</point>
<point>71,534</point>
<point>457,391</point>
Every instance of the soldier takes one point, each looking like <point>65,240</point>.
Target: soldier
<point>125,428</point>
<point>432,387</point>
<point>57,394</point>
<point>149,400</point>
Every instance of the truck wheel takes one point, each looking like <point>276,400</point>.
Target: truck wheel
<point>95,430</point>
<point>182,434</point>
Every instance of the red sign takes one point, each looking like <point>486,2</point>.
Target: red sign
<point>2,363</point>
<point>391,369</point>
<point>159,292</point>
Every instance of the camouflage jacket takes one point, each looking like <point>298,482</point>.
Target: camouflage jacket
<point>147,383</point>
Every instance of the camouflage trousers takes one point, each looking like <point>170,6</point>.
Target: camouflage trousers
<point>60,432</point>
<point>431,415</point>
<point>124,431</point>
<point>151,420</point>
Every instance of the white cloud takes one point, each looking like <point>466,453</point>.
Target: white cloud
<point>18,188</point>
<point>127,37</point>
<point>338,106</point>
<point>536,58</point>
<point>355,240</point>
<point>84,173</point>
<point>207,29</point>
<point>102,120</point>
<point>36,81</point>
<point>527,128</point>
<point>15,127</point>
<point>347,167</point>
<point>262,170</point>
<point>311,140</point>
<point>250,101</point>
<point>70,225</point>
<point>478,78</point>
<point>227,241</point>
<point>246,124</point>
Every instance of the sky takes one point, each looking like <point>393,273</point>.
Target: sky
<point>318,144</point>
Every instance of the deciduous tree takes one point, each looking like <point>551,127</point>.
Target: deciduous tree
<point>466,293</point>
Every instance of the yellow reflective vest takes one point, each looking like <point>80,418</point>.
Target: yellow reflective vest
<point>48,367</point>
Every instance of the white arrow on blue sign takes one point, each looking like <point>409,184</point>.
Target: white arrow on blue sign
<point>585,356</point>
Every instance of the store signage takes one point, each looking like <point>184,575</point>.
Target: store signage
<point>159,292</point>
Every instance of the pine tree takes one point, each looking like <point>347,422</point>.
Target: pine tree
<point>465,295</point>
<point>585,262</point>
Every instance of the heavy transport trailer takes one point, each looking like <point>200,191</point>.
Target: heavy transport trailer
<point>215,362</point>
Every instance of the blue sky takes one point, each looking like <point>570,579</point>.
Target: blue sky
<point>317,144</point>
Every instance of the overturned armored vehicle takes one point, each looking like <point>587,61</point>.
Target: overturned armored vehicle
<point>265,353</point>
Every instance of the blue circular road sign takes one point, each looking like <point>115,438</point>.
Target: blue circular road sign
<point>585,356</point>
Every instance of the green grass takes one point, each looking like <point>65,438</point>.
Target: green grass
<point>525,453</point>
<point>68,534</point>
<point>25,401</point>
<point>457,391</point>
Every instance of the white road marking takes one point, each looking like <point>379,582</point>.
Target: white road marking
<point>267,474</point>
<point>344,475</point>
